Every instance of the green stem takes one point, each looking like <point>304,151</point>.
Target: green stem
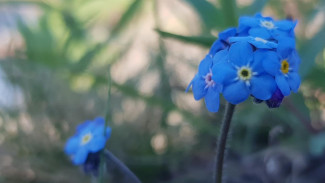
<point>222,141</point>
<point>121,173</point>
<point>107,118</point>
<point>229,8</point>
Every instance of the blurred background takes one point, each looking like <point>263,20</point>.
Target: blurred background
<point>54,58</point>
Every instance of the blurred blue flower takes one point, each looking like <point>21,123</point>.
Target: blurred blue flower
<point>283,65</point>
<point>256,41</point>
<point>266,27</point>
<point>203,85</point>
<point>222,42</point>
<point>243,75</point>
<point>89,138</point>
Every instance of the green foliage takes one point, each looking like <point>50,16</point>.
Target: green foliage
<point>200,40</point>
<point>61,71</point>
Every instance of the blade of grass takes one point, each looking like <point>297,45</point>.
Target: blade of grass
<point>205,41</point>
<point>208,13</point>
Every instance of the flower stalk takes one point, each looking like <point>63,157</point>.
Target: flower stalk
<point>107,118</point>
<point>222,141</point>
<point>120,169</point>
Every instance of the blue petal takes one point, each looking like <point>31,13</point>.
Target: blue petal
<point>80,157</point>
<point>247,22</point>
<point>221,56</point>
<point>263,87</point>
<point>198,87</point>
<point>223,73</point>
<point>236,93</point>
<point>260,32</point>
<point>294,81</point>
<point>98,131</point>
<point>270,61</point>
<point>283,85</point>
<point>241,53</point>
<point>216,46</point>
<point>83,126</point>
<point>205,65</point>
<point>72,145</point>
<point>191,83</point>
<point>212,100</point>
<point>224,35</point>
<point>99,121</point>
<point>108,132</point>
<point>276,99</point>
<point>285,46</point>
<point>256,41</point>
<point>237,39</point>
<point>285,25</point>
<point>97,144</point>
<point>294,61</point>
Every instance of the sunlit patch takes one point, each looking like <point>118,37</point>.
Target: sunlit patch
<point>285,66</point>
<point>268,24</point>
<point>86,138</point>
<point>208,80</point>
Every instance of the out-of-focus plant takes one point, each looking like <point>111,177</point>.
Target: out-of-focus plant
<point>61,70</point>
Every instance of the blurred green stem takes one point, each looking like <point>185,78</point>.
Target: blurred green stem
<point>107,118</point>
<point>121,172</point>
<point>222,141</point>
<point>229,12</point>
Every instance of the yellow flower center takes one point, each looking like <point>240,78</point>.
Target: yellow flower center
<point>285,66</point>
<point>244,73</point>
<point>86,138</point>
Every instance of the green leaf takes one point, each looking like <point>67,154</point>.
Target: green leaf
<point>206,41</point>
<point>309,51</point>
<point>209,14</point>
<point>86,59</point>
<point>256,6</point>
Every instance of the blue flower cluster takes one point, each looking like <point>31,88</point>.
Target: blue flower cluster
<point>89,139</point>
<point>258,59</point>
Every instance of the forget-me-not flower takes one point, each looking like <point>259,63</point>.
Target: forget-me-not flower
<point>256,59</point>
<point>283,65</point>
<point>204,86</point>
<point>89,138</point>
<point>243,75</point>
<point>266,27</point>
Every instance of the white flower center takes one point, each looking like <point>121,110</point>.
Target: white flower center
<point>268,24</point>
<point>86,138</point>
<point>244,73</point>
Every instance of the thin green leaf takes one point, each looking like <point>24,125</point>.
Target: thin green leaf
<point>209,14</point>
<point>256,6</point>
<point>200,40</point>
